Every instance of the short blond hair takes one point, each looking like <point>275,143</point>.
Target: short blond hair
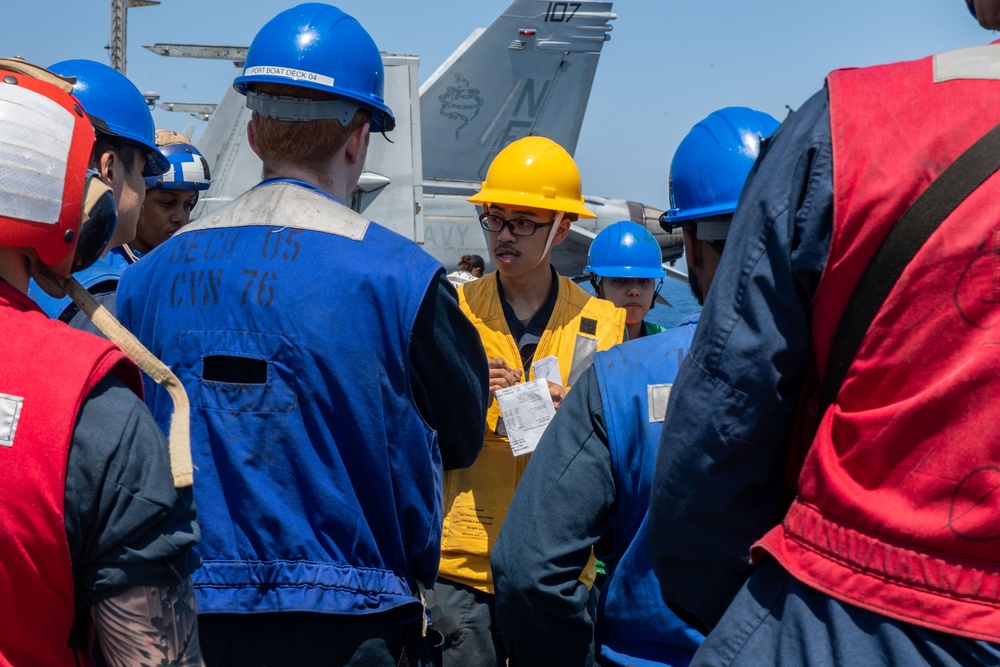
<point>307,143</point>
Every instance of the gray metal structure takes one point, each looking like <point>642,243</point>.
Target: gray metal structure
<point>119,33</point>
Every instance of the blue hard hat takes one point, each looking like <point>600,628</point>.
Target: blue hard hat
<point>625,250</point>
<point>115,106</point>
<point>188,169</point>
<point>712,163</point>
<point>320,47</point>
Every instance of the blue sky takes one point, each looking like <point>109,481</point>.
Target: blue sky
<point>669,62</point>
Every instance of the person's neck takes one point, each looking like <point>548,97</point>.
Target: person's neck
<point>527,293</point>
<point>634,330</point>
<point>331,181</point>
<point>137,245</point>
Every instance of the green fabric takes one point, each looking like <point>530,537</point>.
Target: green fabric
<point>648,328</point>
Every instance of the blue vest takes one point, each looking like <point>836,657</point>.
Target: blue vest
<point>287,318</point>
<point>634,625</point>
<point>108,269</point>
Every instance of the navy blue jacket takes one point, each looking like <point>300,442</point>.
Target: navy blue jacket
<point>719,475</point>
<point>589,478</point>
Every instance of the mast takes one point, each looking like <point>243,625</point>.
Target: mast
<point>119,17</point>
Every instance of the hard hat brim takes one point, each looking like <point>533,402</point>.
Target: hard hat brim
<point>488,196</point>
<point>625,272</point>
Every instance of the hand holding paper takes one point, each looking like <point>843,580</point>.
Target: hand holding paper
<point>527,409</point>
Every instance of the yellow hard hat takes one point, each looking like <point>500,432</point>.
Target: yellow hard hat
<point>535,172</point>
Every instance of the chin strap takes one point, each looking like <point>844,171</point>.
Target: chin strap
<point>131,253</point>
<point>180,422</point>
<point>552,234</point>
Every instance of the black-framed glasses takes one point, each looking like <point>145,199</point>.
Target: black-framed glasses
<point>517,226</point>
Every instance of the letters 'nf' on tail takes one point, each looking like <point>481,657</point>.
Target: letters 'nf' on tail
<point>529,73</point>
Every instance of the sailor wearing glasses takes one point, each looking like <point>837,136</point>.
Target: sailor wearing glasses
<point>524,312</point>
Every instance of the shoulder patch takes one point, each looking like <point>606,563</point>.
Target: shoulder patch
<point>657,397</point>
<point>588,326</point>
<point>976,62</point>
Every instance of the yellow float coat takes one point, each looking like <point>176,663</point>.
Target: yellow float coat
<point>476,498</point>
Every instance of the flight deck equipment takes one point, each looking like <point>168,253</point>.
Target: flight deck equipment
<point>53,206</point>
<point>316,46</point>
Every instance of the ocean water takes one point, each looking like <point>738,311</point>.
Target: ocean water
<point>682,304</point>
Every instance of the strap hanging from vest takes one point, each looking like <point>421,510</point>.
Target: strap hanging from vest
<point>898,248</point>
<point>179,440</point>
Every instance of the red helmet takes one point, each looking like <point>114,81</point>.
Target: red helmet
<point>49,204</point>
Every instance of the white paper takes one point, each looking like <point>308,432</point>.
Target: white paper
<point>548,369</point>
<point>527,409</point>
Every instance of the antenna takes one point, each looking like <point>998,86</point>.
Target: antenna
<point>119,18</point>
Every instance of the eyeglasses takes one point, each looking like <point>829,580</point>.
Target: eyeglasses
<point>517,226</point>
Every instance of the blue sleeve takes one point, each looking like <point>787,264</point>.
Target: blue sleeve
<point>718,477</point>
<point>559,511</point>
<point>451,378</point>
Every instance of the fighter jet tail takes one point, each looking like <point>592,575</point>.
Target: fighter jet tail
<point>529,73</point>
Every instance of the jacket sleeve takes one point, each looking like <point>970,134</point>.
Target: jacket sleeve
<point>450,379</point>
<point>718,481</point>
<point>559,511</point>
<point>126,524</point>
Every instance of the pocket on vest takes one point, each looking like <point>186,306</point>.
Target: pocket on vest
<point>238,371</point>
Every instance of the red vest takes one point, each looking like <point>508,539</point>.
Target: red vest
<point>47,371</point>
<point>898,507</point>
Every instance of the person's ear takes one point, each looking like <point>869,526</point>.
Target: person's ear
<point>694,251</point>
<point>562,231</point>
<point>251,139</point>
<point>108,166</point>
<point>357,140</point>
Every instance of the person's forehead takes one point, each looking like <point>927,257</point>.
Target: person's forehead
<point>521,211</point>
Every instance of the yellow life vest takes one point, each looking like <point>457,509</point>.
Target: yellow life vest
<point>476,498</point>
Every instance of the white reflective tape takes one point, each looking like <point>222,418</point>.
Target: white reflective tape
<point>289,73</point>
<point>10,414</point>
<point>975,62</point>
<point>657,395</point>
<point>35,138</point>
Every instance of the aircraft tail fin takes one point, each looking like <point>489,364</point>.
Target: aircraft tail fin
<point>529,73</point>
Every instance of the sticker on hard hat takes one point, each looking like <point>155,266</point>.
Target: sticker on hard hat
<point>289,73</point>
